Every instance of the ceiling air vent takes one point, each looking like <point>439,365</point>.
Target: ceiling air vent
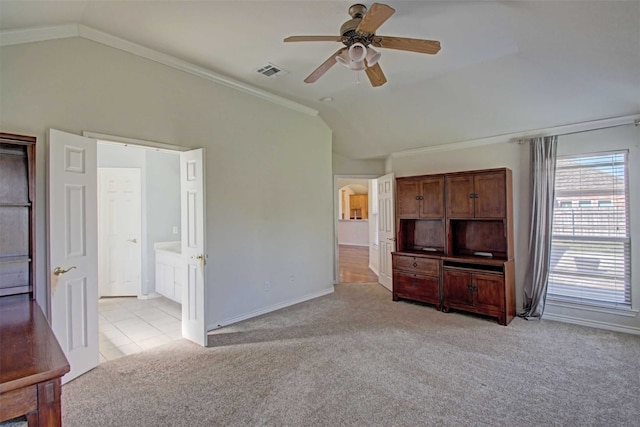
<point>271,71</point>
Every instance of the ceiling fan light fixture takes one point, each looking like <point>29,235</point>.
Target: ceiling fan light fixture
<point>344,59</point>
<point>358,65</point>
<point>357,52</point>
<point>373,56</point>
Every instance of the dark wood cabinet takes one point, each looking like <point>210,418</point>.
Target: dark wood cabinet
<point>476,195</point>
<point>17,160</point>
<point>31,360</point>
<point>475,289</point>
<point>420,198</point>
<point>462,222</point>
<point>416,277</point>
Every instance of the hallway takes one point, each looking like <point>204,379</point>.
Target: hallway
<point>354,265</point>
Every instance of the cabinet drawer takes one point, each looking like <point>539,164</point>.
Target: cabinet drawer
<point>416,287</point>
<point>418,265</point>
<point>18,402</point>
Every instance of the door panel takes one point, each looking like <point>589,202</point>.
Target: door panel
<point>432,192</point>
<point>490,290</point>
<point>456,288</point>
<point>407,193</point>
<point>386,230</point>
<point>72,250</point>
<point>193,246</point>
<point>491,202</point>
<point>459,200</point>
<point>120,231</point>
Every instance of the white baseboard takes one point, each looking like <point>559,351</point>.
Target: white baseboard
<point>364,245</point>
<point>592,323</point>
<point>269,309</point>
<point>151,295</point>
<point>375,270</point>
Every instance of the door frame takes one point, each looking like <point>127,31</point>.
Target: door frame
<point>336,217</point>
<point>157,146</point>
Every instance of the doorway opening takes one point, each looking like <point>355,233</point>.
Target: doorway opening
<point>139,241</point>
<point>357,246</point>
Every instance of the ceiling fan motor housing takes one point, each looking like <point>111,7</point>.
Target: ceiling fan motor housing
<point>348,29</point>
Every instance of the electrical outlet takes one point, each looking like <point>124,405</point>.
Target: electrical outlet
<point>267,286</point>
<point>291,278</point>
<point>175,229</point>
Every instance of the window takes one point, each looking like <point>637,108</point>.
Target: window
<point>590,249</point>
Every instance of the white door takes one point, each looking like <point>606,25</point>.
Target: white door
<point>119,235</point>
<point>386,228</point>
<point>72,250</point>
<point>193,246</point>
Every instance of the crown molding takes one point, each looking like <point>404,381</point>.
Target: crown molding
<point>30,35</point>
<point>519,137</point>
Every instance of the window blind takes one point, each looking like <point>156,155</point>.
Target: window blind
<point>591,246</point>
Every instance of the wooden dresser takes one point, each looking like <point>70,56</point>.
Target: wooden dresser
<point>31,360</point>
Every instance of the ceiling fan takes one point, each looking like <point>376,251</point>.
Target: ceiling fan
<point>358,36</point>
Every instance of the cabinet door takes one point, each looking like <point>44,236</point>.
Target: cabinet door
<point>490,201</point>
<point>407,201</point>
<point>416,287</point>
<point>456,288</point>
<point>460,191</point>
<point>179,273</point>
<point>432,202</point>
<point>160,279</point>
<point>489,290</point>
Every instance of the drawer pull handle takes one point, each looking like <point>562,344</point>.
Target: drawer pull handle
<point>415,264</point>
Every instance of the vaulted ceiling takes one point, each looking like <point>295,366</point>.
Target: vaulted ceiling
<point>504,66</point>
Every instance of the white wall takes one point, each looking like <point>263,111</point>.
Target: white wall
<point>269,210</point>
<point>354,233</point>
<point>516,158</point>
<point>345,166</point>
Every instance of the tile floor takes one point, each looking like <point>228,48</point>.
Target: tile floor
<point>129,325</point>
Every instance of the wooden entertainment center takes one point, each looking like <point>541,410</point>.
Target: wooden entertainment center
<point>455,242</point>
<point>31,360</point>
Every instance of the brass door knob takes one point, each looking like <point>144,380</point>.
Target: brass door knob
<point>59,271</point>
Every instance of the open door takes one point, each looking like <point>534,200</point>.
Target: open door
<point>194,326</point>
<point>386,228</point>
<point>72,251</point>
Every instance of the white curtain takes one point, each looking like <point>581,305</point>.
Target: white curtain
<point>542,183</point>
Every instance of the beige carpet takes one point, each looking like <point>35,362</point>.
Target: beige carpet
<point>357,358</point>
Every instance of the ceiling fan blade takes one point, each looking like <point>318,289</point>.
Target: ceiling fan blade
<point>402,43</point>
<point>377,14</point>
<point>376,76</point>
<point>313,39</point>
<point>324,67</point>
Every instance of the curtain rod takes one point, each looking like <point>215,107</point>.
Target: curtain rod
<point>590,126</point>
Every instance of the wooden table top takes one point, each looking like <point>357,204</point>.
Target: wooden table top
<point>29,351</point>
